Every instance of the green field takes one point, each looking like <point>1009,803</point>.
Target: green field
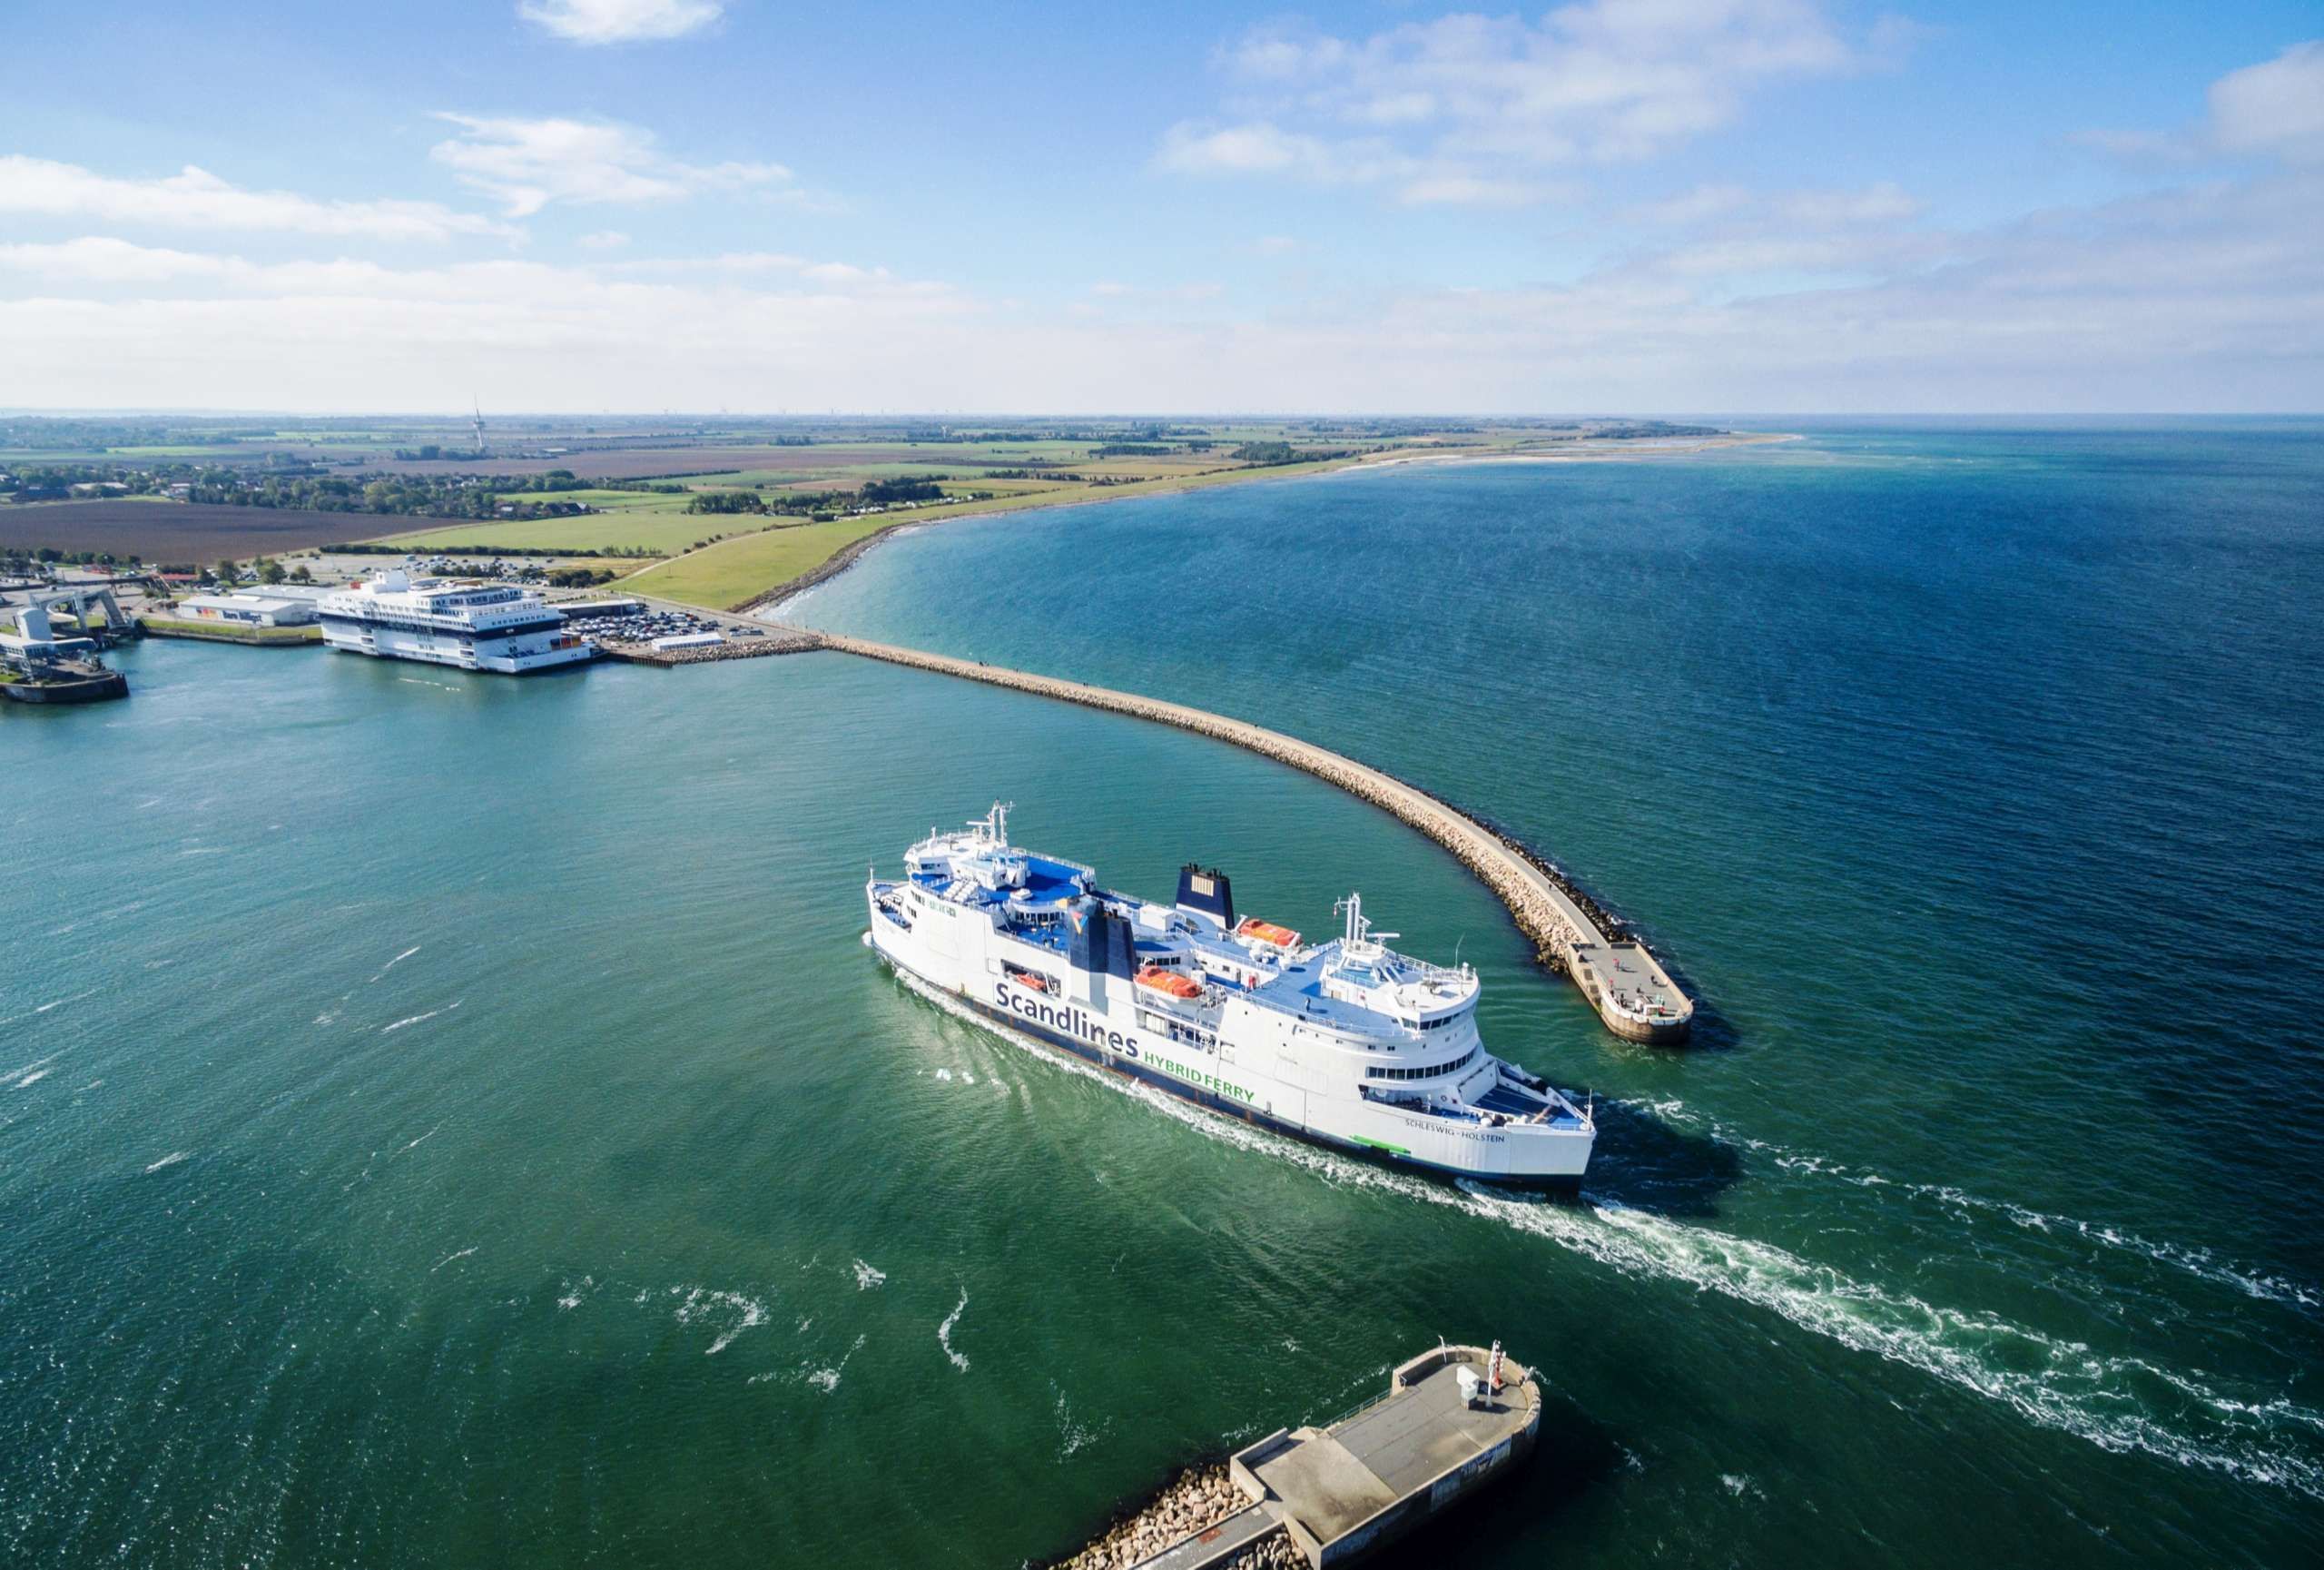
<point>638,520</point>
<point>607,501</point>
<point>659,523</point>
<point>737,570</point>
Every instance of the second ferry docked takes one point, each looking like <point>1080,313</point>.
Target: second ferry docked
<point>447,621</point>
<point>1345,1043</point>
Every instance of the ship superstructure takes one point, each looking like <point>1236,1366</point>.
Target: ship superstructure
<point>445,621</point>
<point>1345,1042</point>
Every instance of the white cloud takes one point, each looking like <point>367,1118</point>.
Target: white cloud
<point>620,21</point>
<point>1883,202</point>
<point>196,199</point>
<point>2272,109</point>
<point>1456,188</point>
<point>1459,109</point>
<point>2208,297</point>
<point>1261,147</point>
<point>727,261</point>
<point>1702,204</point>
<point>1739,241</point>
<point>525,164</point>
<point>602,240</point>
<point>1111,289</point>
<point>95,259</point>
<point>2276,106</point>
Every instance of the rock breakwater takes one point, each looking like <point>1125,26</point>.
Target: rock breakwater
<point>1194,1501</point>
<point>1547,907</point>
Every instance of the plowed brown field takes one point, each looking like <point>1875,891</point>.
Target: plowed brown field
<point>168,531</point>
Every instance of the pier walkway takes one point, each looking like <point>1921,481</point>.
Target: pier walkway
<point>1215,1544</point>
<point>1630,991</point>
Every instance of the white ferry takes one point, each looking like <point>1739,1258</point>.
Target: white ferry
<point>1346,1043</point>
<point>445,621</point>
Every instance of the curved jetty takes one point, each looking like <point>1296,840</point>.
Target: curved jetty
<point>1630,991</point>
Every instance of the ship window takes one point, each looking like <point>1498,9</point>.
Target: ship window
<point>1435,1071</point>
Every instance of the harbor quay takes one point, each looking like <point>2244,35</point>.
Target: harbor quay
<point>1632,991</point>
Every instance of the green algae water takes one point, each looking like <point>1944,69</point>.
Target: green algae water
<point>449,1119</point>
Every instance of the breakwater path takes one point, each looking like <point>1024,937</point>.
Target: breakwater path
<point>1630,991</point>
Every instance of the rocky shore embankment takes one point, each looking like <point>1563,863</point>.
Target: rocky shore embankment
<point>773,642</point>
<point>1197,1500</point>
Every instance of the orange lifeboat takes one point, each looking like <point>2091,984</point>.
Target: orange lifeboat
<point>1268,933</point>
<point>1176,983</point>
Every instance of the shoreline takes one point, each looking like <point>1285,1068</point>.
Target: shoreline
<point>769,605</point>
<point>1694,447</point>
<point>840,560</point>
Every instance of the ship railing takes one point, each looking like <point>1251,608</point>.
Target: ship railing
<point>1361,1406</point>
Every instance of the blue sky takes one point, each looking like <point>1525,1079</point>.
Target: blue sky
<point>1615,205</point>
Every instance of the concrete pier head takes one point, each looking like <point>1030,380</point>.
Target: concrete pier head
<point>1367,1478</point>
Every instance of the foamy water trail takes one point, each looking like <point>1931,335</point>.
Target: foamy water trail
<point>172,1159</point>
<point>868,1276</point>
<point>2194,1260</point>
<point>2109,1401</point>
<point>400,959</point>
<point>944,1331</point>
<point>447,1259</point>
<point>44,1008</point>
<point>416,1019</point>
<point>35,1077</point>
<point>24,1074</point>
<point>1074,1438</point>
<point>737,1312</point>
<point>2058,1384</point>
<point>827,1380</point>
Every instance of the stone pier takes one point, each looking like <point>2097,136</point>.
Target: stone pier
<point>1632,991</point>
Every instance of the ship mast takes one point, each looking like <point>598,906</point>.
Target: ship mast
<point>1357,940</point>
<point>994,825</point>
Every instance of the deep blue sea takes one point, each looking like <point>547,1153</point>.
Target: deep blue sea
<point>447,1120</point>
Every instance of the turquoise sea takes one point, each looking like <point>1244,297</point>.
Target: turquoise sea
<point>451,1121</point>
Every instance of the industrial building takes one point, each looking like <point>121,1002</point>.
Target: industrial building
<point>247,609</point>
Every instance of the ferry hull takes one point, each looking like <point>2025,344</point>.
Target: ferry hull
<point>503,655</point>
<point>80,688</point>
<point>1565,1158</point>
